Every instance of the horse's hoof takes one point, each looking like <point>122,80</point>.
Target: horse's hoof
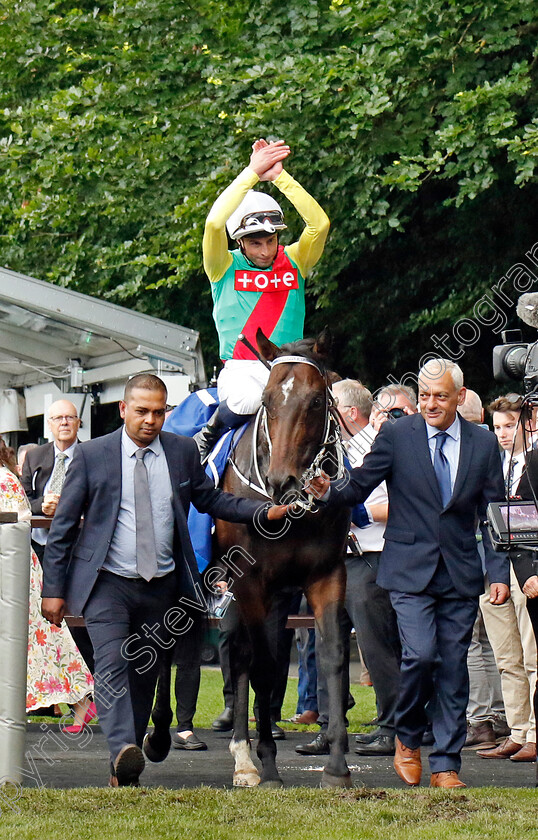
<point>156,752</point>
<point>272,783</point>
<point>246,780</point>
<point>330,781</point>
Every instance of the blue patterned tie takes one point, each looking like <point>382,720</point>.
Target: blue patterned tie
<point>442,468</point>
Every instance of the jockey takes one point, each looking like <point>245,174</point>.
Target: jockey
<point>260,283</point>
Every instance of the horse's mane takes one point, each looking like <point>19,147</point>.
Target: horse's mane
<point>305,347</point>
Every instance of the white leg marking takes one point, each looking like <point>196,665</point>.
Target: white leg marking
<point>245,773</point>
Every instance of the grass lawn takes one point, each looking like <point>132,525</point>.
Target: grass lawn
<point>305,814</point>
<point>302,813</point>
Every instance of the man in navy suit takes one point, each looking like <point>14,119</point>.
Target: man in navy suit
<point>441,473</point>
<point>126,580</point>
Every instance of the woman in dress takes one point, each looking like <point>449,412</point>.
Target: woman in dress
<point>56,672</point>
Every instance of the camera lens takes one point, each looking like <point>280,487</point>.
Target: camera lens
<point>396,412</point>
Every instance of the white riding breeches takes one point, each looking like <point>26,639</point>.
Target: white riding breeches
<point>241,383</point>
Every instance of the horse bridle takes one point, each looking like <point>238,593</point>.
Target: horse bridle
<point>331,436</point>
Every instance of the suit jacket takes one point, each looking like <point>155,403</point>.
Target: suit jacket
<point>419,528</point>
<point>525,560</point>
<point>92,488</point>
<point>37,469</point>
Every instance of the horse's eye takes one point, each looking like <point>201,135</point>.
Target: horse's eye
<point>316,402</point>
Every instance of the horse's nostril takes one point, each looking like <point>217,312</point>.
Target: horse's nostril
<point>283,489</point>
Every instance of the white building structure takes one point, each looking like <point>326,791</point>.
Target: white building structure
<point>58,343</point>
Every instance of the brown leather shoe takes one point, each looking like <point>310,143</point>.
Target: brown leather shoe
<point>480,736</point>
<point>446,779</point>
<point>504,750</point>
<point>526,753</point>
<point>407,763</point>
<point>307,717</point>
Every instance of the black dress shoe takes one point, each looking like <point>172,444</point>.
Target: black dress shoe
<point>382,745</point>
<point>277,732</point>
<point>225,721</point>
<point>128,766</point>
<point>427,738</point>
<point>191,742</point>
<point>319,746</point>
<point>367,737</point>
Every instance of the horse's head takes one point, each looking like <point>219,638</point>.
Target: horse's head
<point>295,401</point>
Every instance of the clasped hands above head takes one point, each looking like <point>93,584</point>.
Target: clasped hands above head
<point>266,158</point>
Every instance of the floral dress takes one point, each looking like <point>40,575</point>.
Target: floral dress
<point>57,672</point>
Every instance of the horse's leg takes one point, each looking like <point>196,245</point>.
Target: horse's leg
<point>245,771</point>
<point>326,597</point>
<point>262,675</point>
<point>157,743</point>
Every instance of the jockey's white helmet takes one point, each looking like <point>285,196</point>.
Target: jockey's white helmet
<point>257,213</point>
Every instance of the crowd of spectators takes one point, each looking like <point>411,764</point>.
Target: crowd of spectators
<point>502,655</point>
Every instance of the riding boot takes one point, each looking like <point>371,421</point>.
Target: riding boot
<point>220,422</point>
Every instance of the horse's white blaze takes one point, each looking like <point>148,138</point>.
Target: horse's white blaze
<point>245,773</point>
<point>287,388</point>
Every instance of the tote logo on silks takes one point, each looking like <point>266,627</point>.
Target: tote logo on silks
<point>265,281</point>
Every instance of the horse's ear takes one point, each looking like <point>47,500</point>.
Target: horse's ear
<point>267,349</point>
<point>324,343</point>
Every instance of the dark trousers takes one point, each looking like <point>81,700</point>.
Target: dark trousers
<point>374,620</point>
<point>370,612</point>
<point>118,615</point>
<point>532,608</point>
<point>280,641</point>
<point>435,627</point>
<point>188,659</point>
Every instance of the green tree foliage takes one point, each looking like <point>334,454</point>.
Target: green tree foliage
<point>414,122</point>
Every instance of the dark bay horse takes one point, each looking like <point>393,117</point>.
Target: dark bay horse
<point>293,434</point>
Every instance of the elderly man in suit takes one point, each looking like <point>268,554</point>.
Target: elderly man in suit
<point>132,558</point>
<point>441,473</point>
<point>45,467</point>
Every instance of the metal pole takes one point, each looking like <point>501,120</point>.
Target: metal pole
<point>14,597</point>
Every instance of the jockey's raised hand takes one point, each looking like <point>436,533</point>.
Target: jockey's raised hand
<point>266,158</point>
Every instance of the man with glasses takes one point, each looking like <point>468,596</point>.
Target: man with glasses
<point>260,284</point>
<point>45,467</point>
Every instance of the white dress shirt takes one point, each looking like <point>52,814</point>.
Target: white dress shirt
<point>369,538</point>
<point>121,557</point>
<point>40,535</point>
<point>518,466</point>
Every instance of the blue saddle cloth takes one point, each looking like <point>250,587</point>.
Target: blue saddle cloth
<point>192,414</point>
<point>186,419</point>
<point>201,525</point>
